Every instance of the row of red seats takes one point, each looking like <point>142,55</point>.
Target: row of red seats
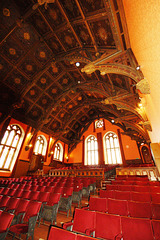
<point>132,177</point>
<point>135,188</point>
<point>133,182</point>
<point>107,226</point>
<point>131,195</point>
<point>61,234</point>
<point>23,220</point>
<point>125,208</point>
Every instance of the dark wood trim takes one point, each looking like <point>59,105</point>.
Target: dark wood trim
<point>100,148</point>
<point>94,129</point>
<point>83,150</point>
<point>45,159</point>
<point>104,125</point>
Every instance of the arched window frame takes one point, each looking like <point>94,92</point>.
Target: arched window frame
<point>112,149</point>
<point>58,152</point>
<point>40,146</point>
<point>10,146</point>
<point>99,123</point>
<point>91,149</point>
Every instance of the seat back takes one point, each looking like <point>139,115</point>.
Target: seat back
<point>137,188</point>
<point>107,194</point>
<point>43,196</point>
<point>32,209</point>
<point>21,206</point>
<point>67,191</point>
<point>53,198</point>
<point>56,233</point>
<point>140,209</point>
<point>98,204</point>
<point>156,229</point>
<point>141,197</point>
<point>121,195</point>
<point>25,194</point>
<point>5,221</point>
<point>107,226</point>
<point>4,200</point>
<point>12,204</point>
<point>155,197</point>
<point>136,229</point>
<point>83,220</point>
<point>125,187</point>
<point>33,195</point>
<point>155,211</point>
<point>118,207</point>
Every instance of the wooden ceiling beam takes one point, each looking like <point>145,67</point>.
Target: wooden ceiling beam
<point>88,28</point>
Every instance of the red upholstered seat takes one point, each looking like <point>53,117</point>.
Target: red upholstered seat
<point>21,206</point>
<point>107,226</point>
<point>155,210</point>
<point>137,188</point>
<point>107,193</point>
<point>155,189</point>
<point>98,204</point>
<point>43,197</point>
<point>156,229</point>
<point>12,204</point>
<point>49,189</point>
<point>5,191</point>
<point>155,197</point>
<point>60,234</point>
<point>53,198</point>
<point>34,188</point>
<point>141,197</point>
<point>83,237</point>
<point>27,187</point>
<point>111,187</point>
<point>18,193</point>
<point>122,195</point>
<point>136,229</point>
<point>5,222</point>
<point>33,195</point>
<point>140,209</point>
<point>125,187</point>
<point>83,220</point>
<point>25,194</point>
<point>41,188</point>
<point>118,207</point>
<point>3,201</point>
<point>11,192</point>
<point>29,220</point>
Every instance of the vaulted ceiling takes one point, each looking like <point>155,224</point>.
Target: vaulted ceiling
<point>40,81</point>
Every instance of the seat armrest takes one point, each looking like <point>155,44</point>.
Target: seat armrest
<point>68,226</point>
<point>119,237</point>
<point>85,207</point>
<point>90,232</point>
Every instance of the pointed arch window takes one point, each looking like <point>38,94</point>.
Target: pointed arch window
<point>91,151</point>
<point>40,146</point>
<point>112,149</point>
<point>58,152</point>
<point>10,146</point>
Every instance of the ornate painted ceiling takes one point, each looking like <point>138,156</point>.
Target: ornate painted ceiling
<point>41,83</point>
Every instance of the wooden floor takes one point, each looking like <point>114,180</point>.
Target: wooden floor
<point>41,232</point>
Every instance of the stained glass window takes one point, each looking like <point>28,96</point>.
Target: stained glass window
<point>10,146</point>
<point>112,150</point>
<point>91,151</point>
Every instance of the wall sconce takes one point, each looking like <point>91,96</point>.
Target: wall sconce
<point>67,158</point>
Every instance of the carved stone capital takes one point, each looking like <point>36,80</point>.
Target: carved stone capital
<point>143,86</point>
